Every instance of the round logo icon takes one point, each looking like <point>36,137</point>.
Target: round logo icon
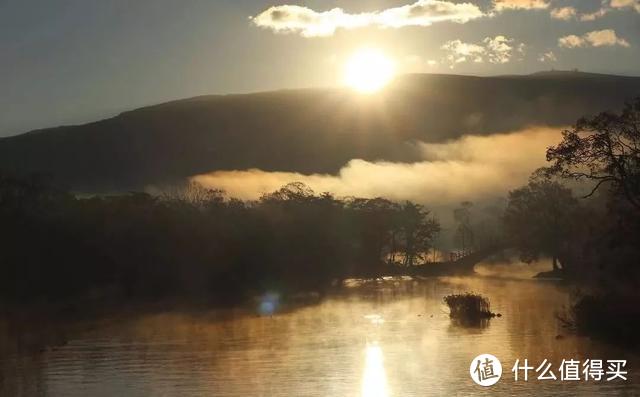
<point>485,370</point>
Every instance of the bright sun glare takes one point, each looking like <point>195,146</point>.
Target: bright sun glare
<point>368,70</point>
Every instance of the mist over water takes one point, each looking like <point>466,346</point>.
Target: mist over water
<point>390,337</point>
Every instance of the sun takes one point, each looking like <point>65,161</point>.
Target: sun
<point>368,70</point>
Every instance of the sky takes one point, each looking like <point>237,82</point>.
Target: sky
<point>74,61</point>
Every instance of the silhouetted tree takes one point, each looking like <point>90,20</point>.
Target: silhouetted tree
<point>416,230</point>
<point>375,219</point>
<point>604,149</point>
<point>539,219</point>
<point>464,232</point>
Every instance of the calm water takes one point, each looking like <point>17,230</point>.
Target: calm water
<point>388,338</point>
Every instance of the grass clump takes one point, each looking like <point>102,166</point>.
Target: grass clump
<point>468,307</point>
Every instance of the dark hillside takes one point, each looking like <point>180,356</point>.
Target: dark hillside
<point>310,130</point>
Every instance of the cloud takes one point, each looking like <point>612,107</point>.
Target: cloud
<point>307,22</point>
<point>569,13</point>
<point>501,5</point>
<point>571,41</point>
<point>459,52</point>
<point>497,50</point>
<point>594,15</point>
<point>310,23</point>
<point>597,38</point>
<point>635,4</point>
<point>564,13</point>
<point>609,6</point>
<point>607,37</point>
<point>470,168</point>
<point>426,12</point>
<point>500,49</point>
<point>547,57</point>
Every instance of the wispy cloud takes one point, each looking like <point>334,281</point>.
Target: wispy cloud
<point>592,16</point>
<point>635,4</point>
<point>501,5</point>
<point>564,13</point>
<point>460,52</point>
<point>568,13</point>
<point>310,23</point>
<point>470,168</point>
<point>547,57</point>
<point>608,6</point>
<point>497,50</point>
<point>500,49</point>
<point>597,38</point>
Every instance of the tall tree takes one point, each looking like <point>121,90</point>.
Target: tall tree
<point>417,231</point>
<point>604,149</point>
<point>375,221</point>
<point>539,219</point>
<point>464,233</point>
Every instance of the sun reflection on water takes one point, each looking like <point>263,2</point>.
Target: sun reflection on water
<point>387,338</point>
<point>374,379</point>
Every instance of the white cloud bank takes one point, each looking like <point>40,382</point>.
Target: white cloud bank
<point>307,22</point>
<point>597,38</point>
<point>497,50</point>
<point>501,5</point>
<point>310,23</point>
<point>470,168</point>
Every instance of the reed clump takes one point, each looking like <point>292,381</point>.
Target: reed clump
<point>468,306</point>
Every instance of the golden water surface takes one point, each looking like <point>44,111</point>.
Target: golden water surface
<point>385,338</point>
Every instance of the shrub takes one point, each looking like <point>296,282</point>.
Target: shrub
<point>611,317</point>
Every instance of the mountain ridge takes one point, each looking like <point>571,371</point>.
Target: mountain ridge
<point>308,130</point>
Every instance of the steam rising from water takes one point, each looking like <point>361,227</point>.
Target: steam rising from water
<point>469,168</point>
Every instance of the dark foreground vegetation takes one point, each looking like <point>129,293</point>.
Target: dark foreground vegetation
<point>469,309</point>
<point>593,235</point>
<point>196,243</point>
<point>610,316</point>
<point>596,234</point>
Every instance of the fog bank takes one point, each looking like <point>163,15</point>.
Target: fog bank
<point>470,168</point>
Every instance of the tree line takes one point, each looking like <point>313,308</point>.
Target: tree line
<point>197,242</point>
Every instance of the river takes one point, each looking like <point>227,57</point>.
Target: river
<point>379,338</point>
